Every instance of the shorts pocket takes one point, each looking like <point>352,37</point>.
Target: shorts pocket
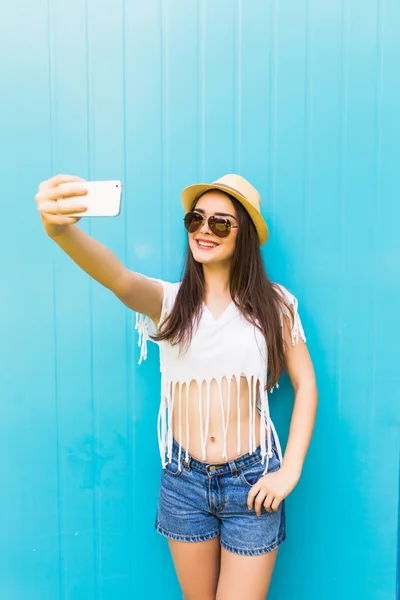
<point>171,468</point>
<point>252,473</point>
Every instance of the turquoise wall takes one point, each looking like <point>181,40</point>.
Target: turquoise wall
<point>301,97</point>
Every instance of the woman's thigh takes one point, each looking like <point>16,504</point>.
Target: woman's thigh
<point>197,566</point>
<point>245,576</point>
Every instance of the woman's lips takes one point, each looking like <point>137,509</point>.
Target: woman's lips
<point>206,244</point>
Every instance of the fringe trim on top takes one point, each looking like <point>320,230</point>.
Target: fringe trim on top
<point>164,424</point>
<point>165,435</point>
<point>297,328</point>
<point>142,328</point>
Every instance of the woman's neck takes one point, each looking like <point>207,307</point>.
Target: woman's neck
<point>217,279</point>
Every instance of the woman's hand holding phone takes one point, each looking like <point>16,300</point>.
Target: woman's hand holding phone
<point>59,197</point>
<point>64,199</point>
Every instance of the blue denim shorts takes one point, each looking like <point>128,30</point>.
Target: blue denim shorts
<point>205,500</point>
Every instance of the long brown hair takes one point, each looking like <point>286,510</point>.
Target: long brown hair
<point>251,290</point>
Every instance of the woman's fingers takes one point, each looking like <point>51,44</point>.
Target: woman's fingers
<point>62,207</point>
<point>59,197</point>
<point>60,220</point>
<point>266,499</point>
<point>269,500</point>
<point>263,496</point>
<point>258,500</point>
<point>66,190</point>
<point>57,180</point>
<point>275,504</point>
<point>62,199</point>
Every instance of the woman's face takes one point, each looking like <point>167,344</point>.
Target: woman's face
<point>217,249</point>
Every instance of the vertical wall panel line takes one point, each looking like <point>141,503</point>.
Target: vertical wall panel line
<point>380,6</point>
<point>342,200</point>
<point>307,133</point>
<point>273,109</point>
<point>90,172</point>
<point>54,316</point>
<point>57,427</point>
<point>164,137</point>
<point>201,90</point>
<point>238,86</point>
<point>124,140</point>
<point>129,315</point>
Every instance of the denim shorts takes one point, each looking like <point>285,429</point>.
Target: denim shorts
<point>205,500</point>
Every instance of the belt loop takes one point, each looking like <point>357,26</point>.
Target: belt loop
<point>233,468</point>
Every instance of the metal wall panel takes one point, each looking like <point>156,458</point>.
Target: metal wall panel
<point>302,97</point>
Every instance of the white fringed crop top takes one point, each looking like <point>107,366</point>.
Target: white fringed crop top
<point>227,346</point>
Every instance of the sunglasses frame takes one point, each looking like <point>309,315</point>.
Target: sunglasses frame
<point>211,223</point>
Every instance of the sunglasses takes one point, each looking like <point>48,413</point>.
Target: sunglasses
<point>220,226</point>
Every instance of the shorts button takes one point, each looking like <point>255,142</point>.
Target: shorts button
<point>212,469</point>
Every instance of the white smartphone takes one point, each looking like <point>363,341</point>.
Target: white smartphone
<point>103,199</point>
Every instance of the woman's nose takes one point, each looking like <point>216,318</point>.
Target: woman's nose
<point>205,227</point>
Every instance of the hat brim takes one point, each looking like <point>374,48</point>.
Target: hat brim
<point>192,192</point>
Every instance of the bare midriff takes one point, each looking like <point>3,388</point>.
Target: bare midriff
<point>215,436</point>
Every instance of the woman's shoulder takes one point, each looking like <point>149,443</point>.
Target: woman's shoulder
<point>284,292</point>
<point>290,308</point>
<point>171,287</point>
<point>289,300</point>
<point>167,285</point>
<point>170,291</point>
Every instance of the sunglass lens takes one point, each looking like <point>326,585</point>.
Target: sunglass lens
<point>219,226</point>
<point>192,222</point>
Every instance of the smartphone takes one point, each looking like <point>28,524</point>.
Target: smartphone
<point>103,199</point>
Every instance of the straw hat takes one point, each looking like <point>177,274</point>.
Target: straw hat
<point>239,188</point>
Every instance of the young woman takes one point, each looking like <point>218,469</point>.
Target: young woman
<point>225,334</point>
